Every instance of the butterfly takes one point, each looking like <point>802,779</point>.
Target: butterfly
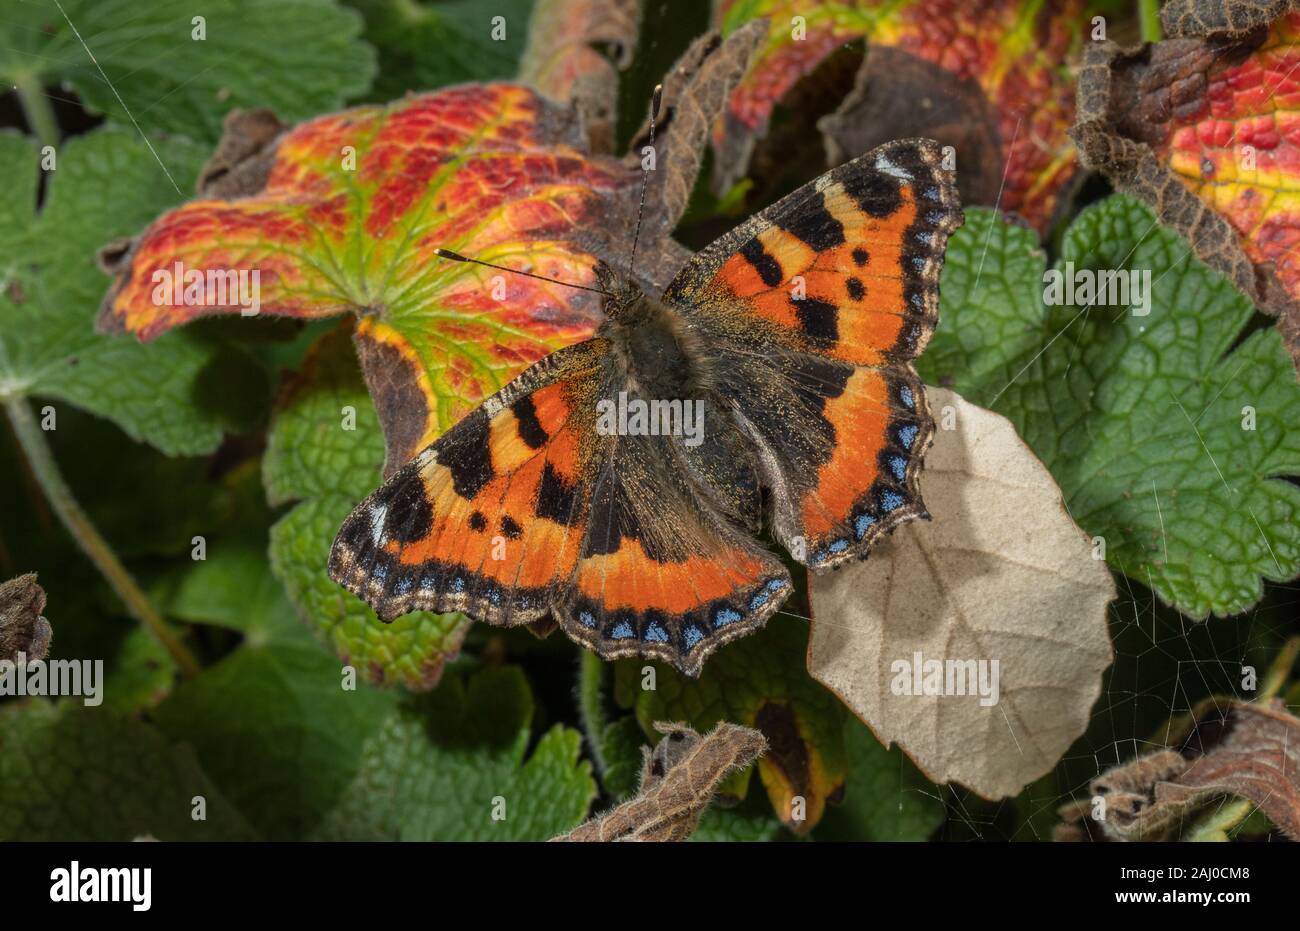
<point>789,340</point>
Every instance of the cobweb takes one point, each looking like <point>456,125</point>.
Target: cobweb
<point>1165,664</point>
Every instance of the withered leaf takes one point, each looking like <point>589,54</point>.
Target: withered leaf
<point>695,94</point>
<point>242,161</point>
<point>22,629</point>
<point>563,58</point>
<point>1182,18</point>
<point>678,780</point>
<point>1250,751</point>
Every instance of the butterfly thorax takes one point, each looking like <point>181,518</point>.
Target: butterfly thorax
<point>658,352</point>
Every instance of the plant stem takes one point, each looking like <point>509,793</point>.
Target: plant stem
<point>37,109</point>
<point>1149,15</point>
<point>32,440</point>
<point>1280,670</point>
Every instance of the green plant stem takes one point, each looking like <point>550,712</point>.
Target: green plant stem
<point>1149,15</point>
<point>37,450</point>
<point>1280,670</point>
<point>37,109</point>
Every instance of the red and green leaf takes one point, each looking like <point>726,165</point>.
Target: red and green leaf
<point>354,205</point>
<point>1206,129</point>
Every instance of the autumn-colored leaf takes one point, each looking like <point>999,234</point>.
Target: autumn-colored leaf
<point>1202,129</point>
<point>986,76</point>
<point>345,215</point>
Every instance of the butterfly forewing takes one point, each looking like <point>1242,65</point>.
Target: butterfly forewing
<point>814,309</point>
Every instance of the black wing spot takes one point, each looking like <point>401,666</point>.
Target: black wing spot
<point>817,318</point>
<point>814,224</point>
<point>860,256</point>
<point>464,450</point>
<point>556,499</point>
<point>876,194</point>
<point>408,515</point>
<point>510,527</point>
<point>477,521</point>
<point>855,288</point>
<point>530,428</point>
<point>767,267</point>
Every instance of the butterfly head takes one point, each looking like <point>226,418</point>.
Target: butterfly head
<point>623,298</point>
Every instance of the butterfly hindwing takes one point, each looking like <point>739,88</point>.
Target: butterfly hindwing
<point>663,574</point>
<point>814,308</point>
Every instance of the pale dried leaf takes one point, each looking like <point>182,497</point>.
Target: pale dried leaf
<point>1001,573</point>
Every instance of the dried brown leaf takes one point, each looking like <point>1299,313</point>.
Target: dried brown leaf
<point>22,629</point>
<point>1181,18</point>
<point>1250,751</point>
<point>678,780</point>
<point>694,96</point>
<point>1001,574</point>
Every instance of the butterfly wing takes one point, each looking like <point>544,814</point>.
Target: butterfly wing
<point>815,308</point>
<point>662,573</point>
<point>523,508</point>
<point>489,519</point>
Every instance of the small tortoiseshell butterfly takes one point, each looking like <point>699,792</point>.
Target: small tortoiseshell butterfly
<point>794,334</point>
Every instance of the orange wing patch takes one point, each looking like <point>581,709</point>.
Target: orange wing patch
<point>846,299</point>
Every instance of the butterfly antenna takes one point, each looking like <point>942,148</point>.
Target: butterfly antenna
<point>457,257</point>
<point>645,176</point>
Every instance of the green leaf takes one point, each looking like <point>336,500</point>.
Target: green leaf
<point>106,185</point>
<point>140,675</point>
<point>1143,420</point>
<point>184,498</point>
<point>445,763</point>
<point>272,723</point>
<point>232,588</point>
<point>276,730</point>
<point>312,454</point>
<point>68,772</point>
<point>750,821</point>
<point>885,796</point>
<point>404,31</point>
<point>760,681</point>
<point>297,57</point>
